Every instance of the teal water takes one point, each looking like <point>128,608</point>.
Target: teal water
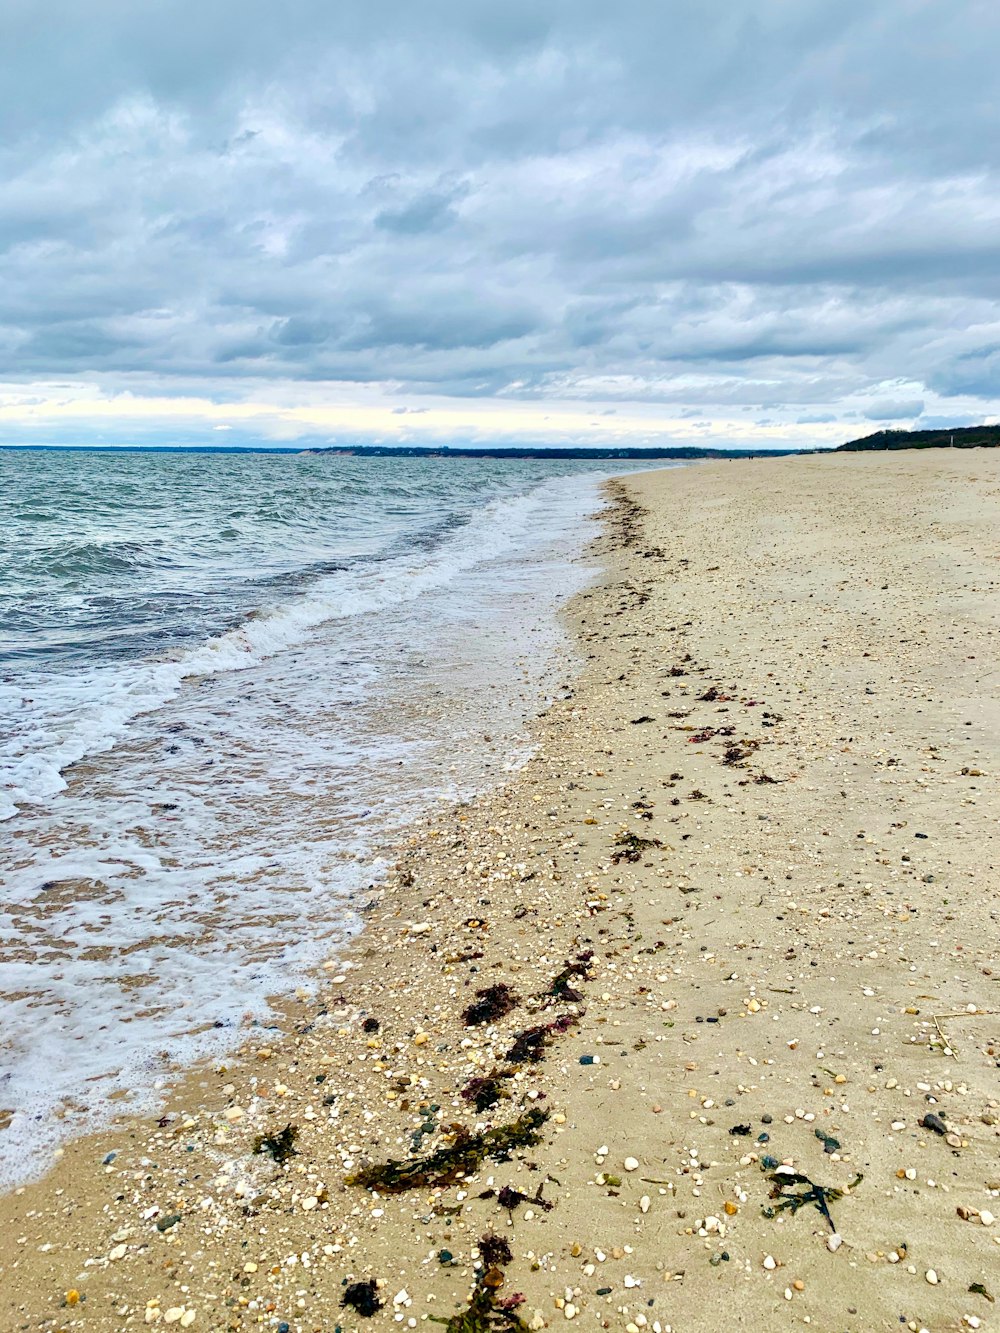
<point>224,682</point>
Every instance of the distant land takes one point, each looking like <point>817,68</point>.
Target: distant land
<point>526,451</point>
<point>961,437</point>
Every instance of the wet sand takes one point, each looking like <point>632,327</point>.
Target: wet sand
<point>742,902</point>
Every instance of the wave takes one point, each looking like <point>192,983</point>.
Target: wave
<point>61,719</point>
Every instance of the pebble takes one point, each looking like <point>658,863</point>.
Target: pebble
<point>644,1203</point>
<point>834,1242</point>
<point>631,1164</point>
<point>770,1262</point>
<point>931,1277</point>
<point>986,1217</point>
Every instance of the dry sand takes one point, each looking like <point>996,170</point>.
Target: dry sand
<point>790,691</point>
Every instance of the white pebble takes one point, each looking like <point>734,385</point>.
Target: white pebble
<point>770,1262</point>
<point>931,1277</point>
<point>631,1164</point>
<point>834,1242</point>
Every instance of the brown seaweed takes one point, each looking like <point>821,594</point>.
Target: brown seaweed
<point>484,1092</point>
<point>445,1166</point>
<point>491,1003</point>
<point>821,1196</point>
<point>630,847</point>
<point>363,1297</point>
<point>280,1146</point>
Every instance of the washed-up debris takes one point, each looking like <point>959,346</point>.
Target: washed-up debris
<point>529,1045</point>
<point>491,1003</point>
<point>830,1144</point>
<point>511,1198</point>
<point>484,1092</point>
<point>485,1313</point>
<point>446,1165</point>
<point>363,1297</point>
<point>821,1196</point>
<point>735,755</point>
<point>636,721</point>
<point>934,1123</point>
<point>560,988</point>
<point>740,1131</point>
<point>630,847</point>
<point>370,1025</point>
<point>280,1146</point>
<point>494,1249</point>
<point>977,1289</point>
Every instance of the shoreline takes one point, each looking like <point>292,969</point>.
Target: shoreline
<point>734,810</point>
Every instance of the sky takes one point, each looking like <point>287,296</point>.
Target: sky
<point>706,222</point>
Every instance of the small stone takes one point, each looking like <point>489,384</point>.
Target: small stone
<point>631,1164</point>
<point>986,1217</point>
<point>569,1310</point>
<point>931,1277</point>
<point>644,1203</point>
<point>834,1242</point>
<point>770,1262</point>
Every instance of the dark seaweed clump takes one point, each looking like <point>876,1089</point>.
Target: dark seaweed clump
<point>630,847</point>
<point>280,1146</point>
<point>484,1313</point>
<point>821,1196</point>
<point>447,1165</point>
<point>494,1250</point>
<point>510,1198</point>
<point>560,988</point>
<point>484,1092</point>
<point>492,1003</point>
<point>363,1297</point>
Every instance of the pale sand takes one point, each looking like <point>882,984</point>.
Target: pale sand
<point>839,924</point>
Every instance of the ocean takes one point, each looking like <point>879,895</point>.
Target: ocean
<point>226,683</point>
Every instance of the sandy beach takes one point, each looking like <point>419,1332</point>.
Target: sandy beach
<point>695,1022</point>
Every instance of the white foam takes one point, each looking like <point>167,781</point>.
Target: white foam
<point>287,751</point>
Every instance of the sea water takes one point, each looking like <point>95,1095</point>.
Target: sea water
<point>225,682</point>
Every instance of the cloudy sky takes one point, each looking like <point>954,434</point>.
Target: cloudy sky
<point>561,221</point>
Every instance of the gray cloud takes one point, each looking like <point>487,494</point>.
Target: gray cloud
<point>759,206</point>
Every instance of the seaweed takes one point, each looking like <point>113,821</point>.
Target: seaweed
<point>735,755</point>
<point>630,847</point>
<point>494,1250</point>
<point>484,1092</point>
<point>484,1313</point>
<point>821,1196</point>
<point>560,988</point>
<point>447,1165</point>
<point>528,1045</point>
<point>510,1198</point>
<point>491,1003</point>
<point>280,1146</point>
<point>363,1297</point>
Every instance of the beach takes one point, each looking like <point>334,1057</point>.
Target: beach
<point>697,1013</point>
